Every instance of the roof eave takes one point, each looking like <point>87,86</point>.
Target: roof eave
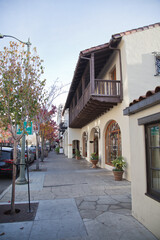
<point>86,53</point>
<point>142,105</point>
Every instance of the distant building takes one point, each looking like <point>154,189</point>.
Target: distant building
<point>62,122</point>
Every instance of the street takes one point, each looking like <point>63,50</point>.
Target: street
<point>5,181</point>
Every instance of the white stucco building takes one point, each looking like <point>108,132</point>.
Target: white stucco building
<point>144,129</point>
<point>106,79</point>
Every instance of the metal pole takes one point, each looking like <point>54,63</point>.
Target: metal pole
<point>27,164</point>
<point>22,178</point>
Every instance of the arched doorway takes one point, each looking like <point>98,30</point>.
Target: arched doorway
<point>113,147</point>
<point>94,140</point>
<point>85,139</point>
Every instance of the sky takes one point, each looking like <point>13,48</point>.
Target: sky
<point>60,29</point>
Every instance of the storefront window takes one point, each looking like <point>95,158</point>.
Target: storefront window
<point>153,159</point>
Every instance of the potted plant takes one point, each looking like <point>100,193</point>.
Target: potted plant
<point>57,150</point>
<point>77,154</point>
<point>94,159</point>
<point>118,170</point>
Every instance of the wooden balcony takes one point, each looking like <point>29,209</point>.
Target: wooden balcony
<point>89,97</point>
<point>106,94</point>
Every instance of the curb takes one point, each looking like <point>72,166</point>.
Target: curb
<point>5,191</point>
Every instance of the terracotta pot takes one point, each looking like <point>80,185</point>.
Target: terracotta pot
<point>118,175</point>
<point>78,157</point>
<point>94,162</point>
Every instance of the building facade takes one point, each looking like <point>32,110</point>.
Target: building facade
<point>144,122</point>
<point>106,79</point>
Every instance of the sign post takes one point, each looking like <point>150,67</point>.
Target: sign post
<point>22,179</point>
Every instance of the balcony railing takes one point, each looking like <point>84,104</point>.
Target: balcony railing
<point>108,91</point>
<point>107,87</point>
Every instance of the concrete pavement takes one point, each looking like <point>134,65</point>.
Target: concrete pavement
<point>76,202</point>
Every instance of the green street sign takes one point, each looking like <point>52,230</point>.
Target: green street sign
<point>27,129</point>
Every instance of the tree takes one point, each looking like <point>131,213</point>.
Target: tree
<point>21,90</point>
<point>51,131</point>
<point>5,135</point>
<point>44,115</point>
<point>44,127</point>
<point>41,121</point>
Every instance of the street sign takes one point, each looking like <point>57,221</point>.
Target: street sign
<point>27,129</point>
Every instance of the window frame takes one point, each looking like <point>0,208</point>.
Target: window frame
<point>151,192</point>
<point>157,65</point>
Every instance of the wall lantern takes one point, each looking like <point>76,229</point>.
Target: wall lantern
<point>86,136</point>
<point>97,131</point>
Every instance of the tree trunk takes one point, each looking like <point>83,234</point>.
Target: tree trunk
<point>37,152</point>
<point>42,148</point>
<point>14,177</point>
<point>50,145</point>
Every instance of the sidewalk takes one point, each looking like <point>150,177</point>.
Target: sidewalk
<point>76,202</point>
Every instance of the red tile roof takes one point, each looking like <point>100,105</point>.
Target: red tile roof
<point>118,35</point>
<point>96,48</point>
<point>115,39</point>
<point>148,94</point>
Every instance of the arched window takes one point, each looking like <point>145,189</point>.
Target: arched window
<point>112,142</point>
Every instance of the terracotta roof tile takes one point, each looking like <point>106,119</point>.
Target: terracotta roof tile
<point>157,89</point>
<point>148,94</point>
<point>118,35</point>
<point>121,34</point>
<point>96,48</point>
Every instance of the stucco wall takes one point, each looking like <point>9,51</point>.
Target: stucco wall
<point>145,209</point>
<point>140,60</point>
<point>73,134</point>
<point>115,114</point>
<point>138,70</point>
<point>65,143</point>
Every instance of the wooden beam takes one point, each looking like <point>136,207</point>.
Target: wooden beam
<point>92,73</point>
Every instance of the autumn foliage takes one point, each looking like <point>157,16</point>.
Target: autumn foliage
<point>21,91</point>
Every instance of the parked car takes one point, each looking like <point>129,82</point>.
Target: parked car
<point>6,160</point>
<point>29,156</point>
<point>33,150</point>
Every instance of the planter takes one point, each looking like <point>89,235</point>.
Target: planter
<point>78,157</point>
<point>94,162</point>
<point>118,175</point>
